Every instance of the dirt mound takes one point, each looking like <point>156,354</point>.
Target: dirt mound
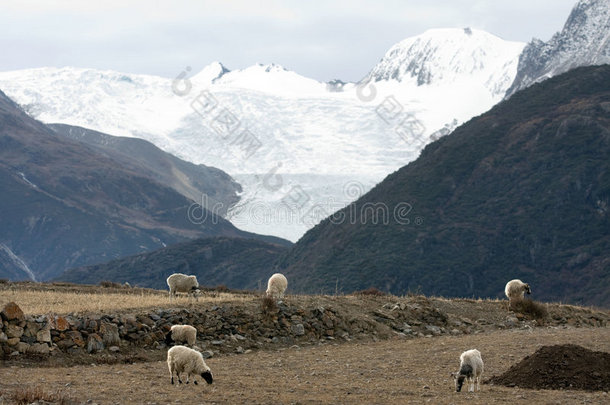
<point>560,367</point>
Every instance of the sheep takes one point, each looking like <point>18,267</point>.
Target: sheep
<point>276,286</point>
<point>181,359</point>
<point>179,282</point>
<point>471,368</point>
<point>181,333</point>
<point>515,290</point>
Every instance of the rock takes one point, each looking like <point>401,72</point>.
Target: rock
<point>466,321</point>
<point>65,344</point>
<point>14,331</point>
<point>31,328</point>
<point>12,341</point>
<point>511,321</point>
<point>12,312</point>
<point>434,329</point>
<point>298,329</point>
<point>61,323</point>
<point>94,343</point>
<point>76,337</point>
<point>3,337</point>
<point>22,347</point>
<point>207,354</point>
<point>384,315</point>
<point>114,349</point>
<point>43,336</point>
<point>75,350</point>
<point>39,348</point>
<point>110,334</point>
<point>217,342</point>
<point>91,325</point>
<point>239,350</point>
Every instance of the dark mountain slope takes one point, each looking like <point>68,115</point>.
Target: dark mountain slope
<point>237,263</point>
<point>192,181</point>
<point>522,191</point>
<point>64,204</point>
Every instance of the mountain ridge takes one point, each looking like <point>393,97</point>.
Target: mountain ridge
<point>583,41</point>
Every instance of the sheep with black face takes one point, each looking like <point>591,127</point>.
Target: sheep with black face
<point>181,334</point>
<point>181,359</point>
<point>515,290</point>
<point>471,368</point>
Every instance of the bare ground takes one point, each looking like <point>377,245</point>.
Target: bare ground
<point>397,371</point>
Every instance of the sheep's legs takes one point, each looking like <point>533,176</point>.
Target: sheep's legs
<point>471,382</point>
<point>478,379</point>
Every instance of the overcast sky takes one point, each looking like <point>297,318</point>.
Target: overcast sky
<point>319,39</point>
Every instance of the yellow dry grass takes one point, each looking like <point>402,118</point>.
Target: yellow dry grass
<point>34,302</point>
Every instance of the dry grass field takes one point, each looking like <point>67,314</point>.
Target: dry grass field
<point>63,299</point>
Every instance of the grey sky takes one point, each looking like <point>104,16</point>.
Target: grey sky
<point>319,39</point>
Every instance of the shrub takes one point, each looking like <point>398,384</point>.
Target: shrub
<point>110,284</point>
<point>28,395</point>
<point>268,305</point>
<point>371,291</point>
<point>530,308</point>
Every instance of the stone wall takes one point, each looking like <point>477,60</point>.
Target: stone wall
<point>226,328</point>
<point>241,326</point>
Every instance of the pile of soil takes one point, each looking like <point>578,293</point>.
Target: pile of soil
<point>560,367</point>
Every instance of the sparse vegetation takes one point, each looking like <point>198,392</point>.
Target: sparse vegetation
<point>268,305</point>
<point>110,284</point>
<point>371,291</point>
<point>29,394</point>
<point>530,308</point>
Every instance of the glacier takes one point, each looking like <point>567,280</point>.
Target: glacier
<point>300,148</point>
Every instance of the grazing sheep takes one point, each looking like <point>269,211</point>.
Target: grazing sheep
<point>181,334</point>
<point>515,290</point>
<point>181,359</point>
<point>471,368</point>
<point>179,282</point>
<point>276,286</point>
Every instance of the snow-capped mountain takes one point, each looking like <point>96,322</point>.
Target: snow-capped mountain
<point>301,149</point>
<point>583,41</point>
<point>444,56</point>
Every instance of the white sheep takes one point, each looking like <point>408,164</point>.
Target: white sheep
<point>276,286</point>
<point>471,368</point>
<point>179,282</point>
<point>181,334</point>
<point>515,290</point>
<point>181,359</point>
